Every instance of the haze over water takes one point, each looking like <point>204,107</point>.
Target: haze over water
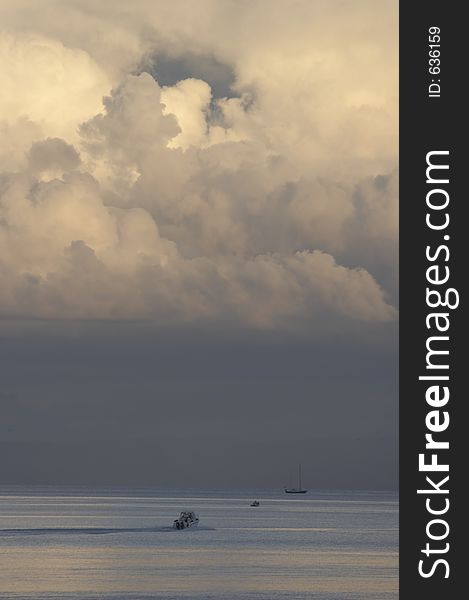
<point>85,544</point>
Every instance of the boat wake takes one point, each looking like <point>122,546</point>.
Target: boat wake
<point>90,530</point>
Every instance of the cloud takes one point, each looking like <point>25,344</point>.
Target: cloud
<point>16,139</point>
<point>188,100</point>
<point>48,83</point>
<point>125,199</point>
<point>52,157</point>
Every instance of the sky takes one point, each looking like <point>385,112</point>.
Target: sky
<point>198,243</point>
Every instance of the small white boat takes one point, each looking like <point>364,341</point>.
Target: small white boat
<point>255,503</point>
<point>186,519</point>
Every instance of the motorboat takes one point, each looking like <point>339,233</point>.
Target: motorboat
<point>186,519</point>
<point>255,503</point>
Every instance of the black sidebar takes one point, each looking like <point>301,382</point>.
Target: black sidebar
<point>433,355</point>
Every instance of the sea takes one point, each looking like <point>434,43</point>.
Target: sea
<point>88,544</point>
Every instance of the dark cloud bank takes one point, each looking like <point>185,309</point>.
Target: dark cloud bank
<point>201,410</point>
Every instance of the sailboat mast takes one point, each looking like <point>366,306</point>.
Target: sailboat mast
<point>299,476</point>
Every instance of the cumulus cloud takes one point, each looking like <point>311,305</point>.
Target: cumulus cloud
<point>49,83</point>
<point>272,206</point>
<point>52,157</point>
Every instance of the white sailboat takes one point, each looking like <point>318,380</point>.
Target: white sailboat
<point>299,489</point>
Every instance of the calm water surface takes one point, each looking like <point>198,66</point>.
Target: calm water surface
<point>80,544</point>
